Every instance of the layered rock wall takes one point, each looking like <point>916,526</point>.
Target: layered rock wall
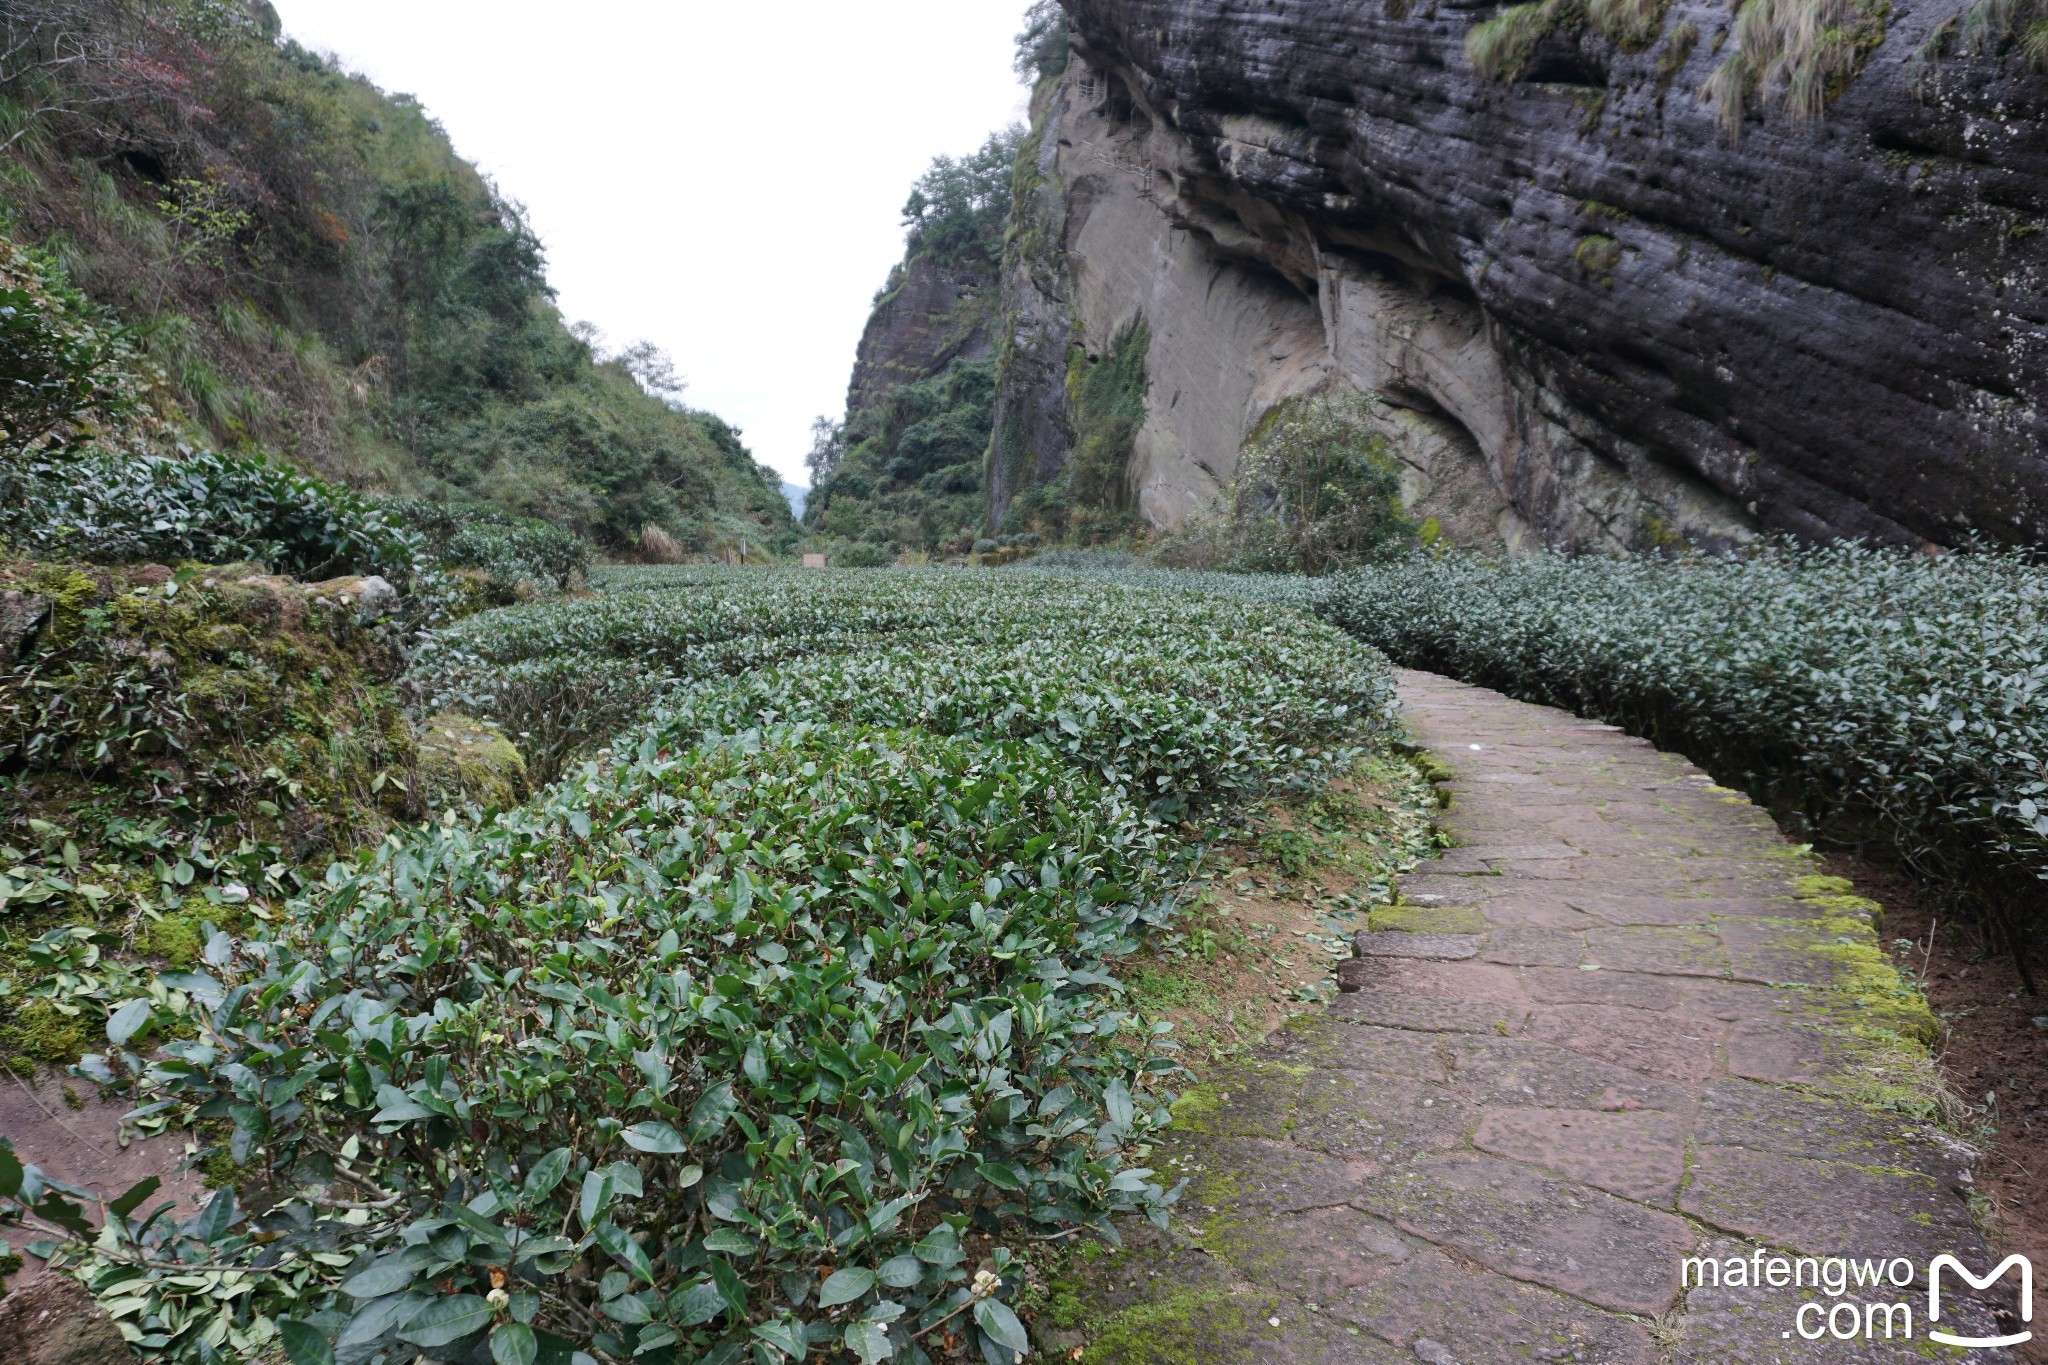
<point>927,317</point>
<point>1598,318</point>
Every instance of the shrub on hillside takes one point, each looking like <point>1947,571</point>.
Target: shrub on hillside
<point>66,365</point>
<point>306,265</point>
<point>907,469</point>
<point>1314,491</point>
<point>136,506</point>
<point>511,551</point>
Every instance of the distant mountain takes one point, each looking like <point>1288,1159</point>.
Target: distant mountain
<point>796,496</point>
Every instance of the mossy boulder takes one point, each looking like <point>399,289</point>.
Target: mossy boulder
<point>462,760</point>
<point>210,692</point>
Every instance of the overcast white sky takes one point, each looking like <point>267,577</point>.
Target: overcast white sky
<point>721,178</point>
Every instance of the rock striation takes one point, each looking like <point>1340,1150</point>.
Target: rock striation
<point>925,318</point>
<point>1604,309</point>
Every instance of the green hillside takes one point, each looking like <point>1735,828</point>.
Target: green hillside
<point>300,264</point>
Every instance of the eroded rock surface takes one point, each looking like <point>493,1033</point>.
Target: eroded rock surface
<point>1510,1156</point>
<point>926,317</point>
<point>1601,318</point>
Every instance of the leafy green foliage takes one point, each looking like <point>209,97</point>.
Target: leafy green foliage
<point>911,472</point>
<point>1043,44</point>
<point>321,276</point>
<point>957,209</point>
<point>726,1043</point>
<point>1091,499</point>
<point>65,364</point>
<point>1106,403</point>
<point>567,677</point>
<point>139,506</point>
<point>1850,683</point>
<point>518,555</point>
<point>1315,490</point>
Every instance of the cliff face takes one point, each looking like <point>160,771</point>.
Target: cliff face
<point>1597,318</point>
<point>930,315</point>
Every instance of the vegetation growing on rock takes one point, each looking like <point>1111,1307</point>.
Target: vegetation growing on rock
<point>1315,491</point>
<point>904,468</point>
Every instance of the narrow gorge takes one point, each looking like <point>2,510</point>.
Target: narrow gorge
<point>1620,277</point>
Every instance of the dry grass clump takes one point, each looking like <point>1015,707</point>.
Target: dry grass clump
<point>1499,49</point>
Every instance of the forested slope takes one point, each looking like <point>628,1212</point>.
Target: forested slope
<point>300,264</point>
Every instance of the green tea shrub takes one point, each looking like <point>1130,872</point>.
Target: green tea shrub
<point>1844,682</point>
<point>112,507</point>
<point>515,553</point>
<point>563,678</point>
<point>637,1061</point>
<point>722,1047</point>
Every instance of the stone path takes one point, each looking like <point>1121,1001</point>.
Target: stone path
<point>1621,1024</point>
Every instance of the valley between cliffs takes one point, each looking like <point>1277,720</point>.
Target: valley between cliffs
<point>1604,309</point>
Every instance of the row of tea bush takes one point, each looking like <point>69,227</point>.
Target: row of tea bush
<point>729,1045</point>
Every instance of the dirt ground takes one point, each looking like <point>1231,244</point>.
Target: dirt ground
<point>1277,905</point>
<point>67,1129</point>
<point>1993,1053</point>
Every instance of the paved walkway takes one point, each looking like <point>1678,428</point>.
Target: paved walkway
<point>1620,1024</point>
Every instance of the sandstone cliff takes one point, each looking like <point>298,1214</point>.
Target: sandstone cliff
<point>902,471</point>
<point>929,315</point>
<point>1604,308</point>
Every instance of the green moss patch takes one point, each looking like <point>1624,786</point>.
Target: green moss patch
<point>1427,919</point>
<point>464,760</point>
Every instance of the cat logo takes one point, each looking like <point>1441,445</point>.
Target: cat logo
<point>1934,1299</point>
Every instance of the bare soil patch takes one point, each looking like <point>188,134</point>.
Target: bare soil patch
<point>1275,906</point>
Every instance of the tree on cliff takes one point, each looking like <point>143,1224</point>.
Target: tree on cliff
<point>956,210</point>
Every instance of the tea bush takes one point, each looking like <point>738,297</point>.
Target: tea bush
<point>566,677</point>
<point>1848,683</point>
<point>516,554</point>
<point>124,506</point>
<point>722,1047</point>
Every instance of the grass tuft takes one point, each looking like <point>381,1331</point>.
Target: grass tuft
<point>1500,48</point>
<point>1798,53</point>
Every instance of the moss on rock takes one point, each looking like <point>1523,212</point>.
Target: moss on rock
<point>1427,919</point>
<point>464,760</point>
<point>216,692</point>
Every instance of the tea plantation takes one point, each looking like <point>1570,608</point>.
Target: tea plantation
<point>1871,693</point>
<point>1863,693</point>
<point>791,1011</point>
<point>730,1043</point>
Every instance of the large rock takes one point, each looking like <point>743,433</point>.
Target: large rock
<point>927,317</point>
<point>1602,319</point>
